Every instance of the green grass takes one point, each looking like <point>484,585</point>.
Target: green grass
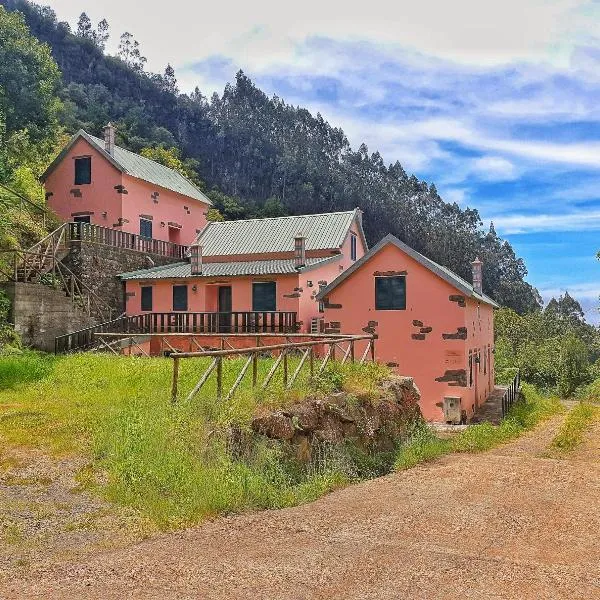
<point>573,429</point>
<point>423,444</point>
<point>171,463</point>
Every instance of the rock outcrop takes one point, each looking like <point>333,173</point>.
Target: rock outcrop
<point>374,423</point>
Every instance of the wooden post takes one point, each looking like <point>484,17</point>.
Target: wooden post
<point>254,368</point>
<point>285,368</point>
<point>372,342</point>
<point>311,358</point>
<point>175,379</point>
<point>219,377</point>
<point>332,351</point>
<point>352,351</point>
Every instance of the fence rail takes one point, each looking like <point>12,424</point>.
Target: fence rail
<point>181,323</point>
<point>283,350</point>
<point>96,234</point>
<point>511,395</point>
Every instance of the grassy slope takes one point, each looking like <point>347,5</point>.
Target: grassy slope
<point>169,462</point>
<point>572,431</point>
<point>424,445</point>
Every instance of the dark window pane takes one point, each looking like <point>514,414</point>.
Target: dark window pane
<point>83,170</point>
<point>353,247</point>
<point>180,297</point>
<point>145,228</point>
<point>264,296</point>
<point>390,293</point>
<point>147,298</point>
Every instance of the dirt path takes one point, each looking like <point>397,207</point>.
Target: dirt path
<point>505,524</point>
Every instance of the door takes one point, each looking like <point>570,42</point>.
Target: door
<point>224,308</point>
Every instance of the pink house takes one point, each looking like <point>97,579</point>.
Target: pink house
<point>255,272</point>
<point>430,324</point>
<point>94,181</point>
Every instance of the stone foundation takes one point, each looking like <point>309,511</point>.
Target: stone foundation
<point>373,424</point>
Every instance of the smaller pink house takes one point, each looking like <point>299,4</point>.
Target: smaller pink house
<point>94,181</point>
<point>254,274</point>
<point>430,324</point>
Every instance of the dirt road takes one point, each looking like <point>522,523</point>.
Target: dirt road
<point>505,524</point>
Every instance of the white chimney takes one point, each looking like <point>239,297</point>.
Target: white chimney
<point>477,266</point>
<point>109,138</point>
<point>299,250</point>
<point>196,259</point>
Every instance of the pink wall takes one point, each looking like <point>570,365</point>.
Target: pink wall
<point>204,299</point>
<point>169,207</point>
<point>427,298</point>
<point>98,197</point>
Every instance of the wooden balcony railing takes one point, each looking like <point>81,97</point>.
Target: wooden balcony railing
<point>181,322</point>
<point>95,234</point>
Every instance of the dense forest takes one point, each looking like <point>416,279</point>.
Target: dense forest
<point>258,156</point>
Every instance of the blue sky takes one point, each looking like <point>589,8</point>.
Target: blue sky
<point>496,103</point>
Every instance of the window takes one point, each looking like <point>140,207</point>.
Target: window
<point>145,228</point>
<point>390,293</point>
<point>147,297</point>
<point>470,368</point>
<point>180,297</point>
<point>322,286</point>
<point>353,246</point>
<point>82,219</point>
<point>83,170</point>
<point>264,296</point>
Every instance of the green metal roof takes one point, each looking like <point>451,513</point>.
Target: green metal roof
<point>228,269</point>
<point>446,274</point>
<point>256,236</point>
<point>136,166</point>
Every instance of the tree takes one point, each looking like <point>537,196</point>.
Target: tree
<point>171,157</point>
<point>129,52</point>
<point>84,27</point>
<point>26,64</point>
<point>169,81</point>
<point>102,34</point>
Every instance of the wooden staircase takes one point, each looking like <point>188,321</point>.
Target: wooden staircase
<point>43,264</point>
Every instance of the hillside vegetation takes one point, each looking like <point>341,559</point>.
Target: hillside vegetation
<point>257,156</point>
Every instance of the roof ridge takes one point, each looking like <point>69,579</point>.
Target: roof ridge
<point>339,212</point>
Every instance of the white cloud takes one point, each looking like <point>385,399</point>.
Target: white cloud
<point>494,168</point>
<point>263,33</point>
<point>573,221</point>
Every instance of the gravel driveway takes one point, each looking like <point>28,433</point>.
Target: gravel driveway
<point>504,524</point>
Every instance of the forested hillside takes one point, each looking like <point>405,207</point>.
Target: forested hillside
<point>260,156</point>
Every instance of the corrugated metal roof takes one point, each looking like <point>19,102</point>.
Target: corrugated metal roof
<point>443,272</point>
<point>228,269</point>
<point>153,172</point>
<point>256,236</point>
<point>136,166</point>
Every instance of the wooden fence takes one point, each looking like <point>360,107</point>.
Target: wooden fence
<point>345,345</point>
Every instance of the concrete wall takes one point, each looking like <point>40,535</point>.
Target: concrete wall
<point>40,313</point>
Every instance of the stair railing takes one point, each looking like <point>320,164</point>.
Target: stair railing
<point>28,267</point>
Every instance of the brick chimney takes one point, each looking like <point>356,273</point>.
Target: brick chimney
<point>477,266</point>
<point>299,251</point>
<point>196,259</point>
<point>109,138</point>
